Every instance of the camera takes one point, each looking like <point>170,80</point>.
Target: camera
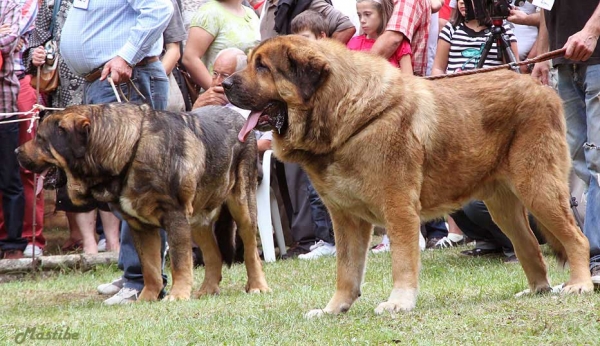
<point>499,8</point>
<point>484,10</point>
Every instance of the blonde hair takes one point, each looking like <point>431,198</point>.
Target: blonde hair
<point>385,9</point>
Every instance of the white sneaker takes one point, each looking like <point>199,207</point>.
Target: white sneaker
<point>102,245</point>
<point>112,287</point>
<point>449,241</point>
<point>30,249</point>
<point>318,250</point>
<point>382,247</point>
<point>124,296</point>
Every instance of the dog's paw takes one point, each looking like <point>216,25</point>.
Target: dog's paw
<point>314,313</point>
<point>256,289</point>
<point>553,290</point>
<point>206,290</point>
<point>172,297</point>
<point>578,288</point>
<point>393,307</point>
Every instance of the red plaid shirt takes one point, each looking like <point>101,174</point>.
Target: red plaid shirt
<point>10,13</point>
<point>411,19</point>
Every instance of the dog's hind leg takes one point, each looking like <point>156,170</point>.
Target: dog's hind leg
<point>243,211</point>
<point>180,251</point>
<point>352,240</point>
<point>510,215</point>
<point>548,200</point>
<point>213,261</point>
<point>147,245</point>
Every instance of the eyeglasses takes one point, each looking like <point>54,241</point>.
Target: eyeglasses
<point>216,75</point>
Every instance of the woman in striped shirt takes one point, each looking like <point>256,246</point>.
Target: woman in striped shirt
<point>461,43</point>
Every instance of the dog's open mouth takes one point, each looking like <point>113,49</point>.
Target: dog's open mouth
<point>272,117</point>
<point>50,179</point>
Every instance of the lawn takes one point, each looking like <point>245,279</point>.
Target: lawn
<point>462,301</point>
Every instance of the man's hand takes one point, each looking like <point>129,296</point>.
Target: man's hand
<point>38,57</point>
<point>214,96</point>
<point>581,45</point>
<point>118,69</point>
<point>541,72</point>
<point>517,17</point>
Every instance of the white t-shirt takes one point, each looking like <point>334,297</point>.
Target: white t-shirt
<point>525,34</point>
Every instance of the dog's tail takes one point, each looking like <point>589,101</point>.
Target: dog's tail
<point>556,246</point>
<point>225,235</point>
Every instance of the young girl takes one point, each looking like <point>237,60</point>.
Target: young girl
<point>461,43</point>
<point>374,15</point>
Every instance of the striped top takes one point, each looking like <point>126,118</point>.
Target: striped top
<point>466,46</point>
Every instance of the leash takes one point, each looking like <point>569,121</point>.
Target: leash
<point>547,56</point>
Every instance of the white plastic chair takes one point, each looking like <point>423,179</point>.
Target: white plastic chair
<point>268,213</point>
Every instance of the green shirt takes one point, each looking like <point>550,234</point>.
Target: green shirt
<point>228,29</point>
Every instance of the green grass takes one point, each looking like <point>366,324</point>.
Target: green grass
<point>461,302</point>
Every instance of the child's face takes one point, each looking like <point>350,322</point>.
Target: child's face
<point>310,35</point>
<point>461,7</point>
<point>370,19</point>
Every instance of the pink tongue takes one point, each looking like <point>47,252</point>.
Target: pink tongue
<point>40,182</point>
<point>249,125</point>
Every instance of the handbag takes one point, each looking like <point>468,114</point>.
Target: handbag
<point>175,101</point>
<point>47,79</point>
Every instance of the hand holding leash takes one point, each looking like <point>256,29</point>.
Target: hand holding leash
<point>581,45</point>
<point>119,70</point>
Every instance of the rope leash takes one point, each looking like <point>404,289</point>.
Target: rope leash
<point>540,58</point>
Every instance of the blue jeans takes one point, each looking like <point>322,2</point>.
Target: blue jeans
<point>13,200</point>
<point>153,83</point>
<point>579,88</point>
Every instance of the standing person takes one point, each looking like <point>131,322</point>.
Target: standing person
<point>217,25</point>
<point>576,27</point>
<point>374,14</point>
<point>409,21</point>
<point>82,219</point>
<point>10,183</point>
<point>121,39</point>
<point>25,101</point>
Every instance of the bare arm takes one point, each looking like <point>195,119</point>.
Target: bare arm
<point>436,5</point>
<point>522,18</point>
<point>345,35</point>
<point>440,63</point>
<point>171,56</point>
<point>263,145</point>
<point>581,45</point>
<point>541,70</point>
<point>197,44</point>
<point>387,43</point>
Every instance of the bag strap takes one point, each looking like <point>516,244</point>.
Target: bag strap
<point>55,10</point>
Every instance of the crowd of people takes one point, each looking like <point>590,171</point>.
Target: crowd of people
<point>174,55</point>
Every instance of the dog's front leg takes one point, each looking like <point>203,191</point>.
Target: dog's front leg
<point>180,250</point>
<point>352,239</point>
<point>403,226</point>
<point>147,245</point>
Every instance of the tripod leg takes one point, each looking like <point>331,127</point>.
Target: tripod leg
<point>485,51</point>
<point>508,54</point>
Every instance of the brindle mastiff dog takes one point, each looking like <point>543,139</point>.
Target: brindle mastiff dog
<point>393,150</point>
<point>177,171</point>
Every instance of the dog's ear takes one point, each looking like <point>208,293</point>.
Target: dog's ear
<point>308,71</point>
<point>77,129</point>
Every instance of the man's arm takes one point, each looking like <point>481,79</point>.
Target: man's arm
<point>541,70</point>
<point>387,43</point>
<point>345,35</point>
<point>11,19</point>
<point>582,44</point>
<point>153,18</point>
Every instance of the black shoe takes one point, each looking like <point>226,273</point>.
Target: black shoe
<point>481,252</point>
<point>294,251</point>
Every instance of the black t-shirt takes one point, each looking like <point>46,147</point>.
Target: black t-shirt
<point>565,19</point>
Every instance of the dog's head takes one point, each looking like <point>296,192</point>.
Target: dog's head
<point>61,138</point>
<point>282,73</point>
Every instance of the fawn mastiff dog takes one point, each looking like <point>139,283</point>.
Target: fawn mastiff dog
<point>183,172</point>
<point>392,150</point>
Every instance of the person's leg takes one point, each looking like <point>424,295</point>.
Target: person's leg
<point>111,226</point>
<point>25,101</point>
<point>322,225</point>
<point>469,220</point>
<point>84,225</point>
<point>592,158</point>
<point>13,203</point>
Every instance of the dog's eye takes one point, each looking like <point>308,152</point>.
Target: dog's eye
<point>260,66</point>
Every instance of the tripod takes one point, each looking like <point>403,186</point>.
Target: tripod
<point>501,38</point>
